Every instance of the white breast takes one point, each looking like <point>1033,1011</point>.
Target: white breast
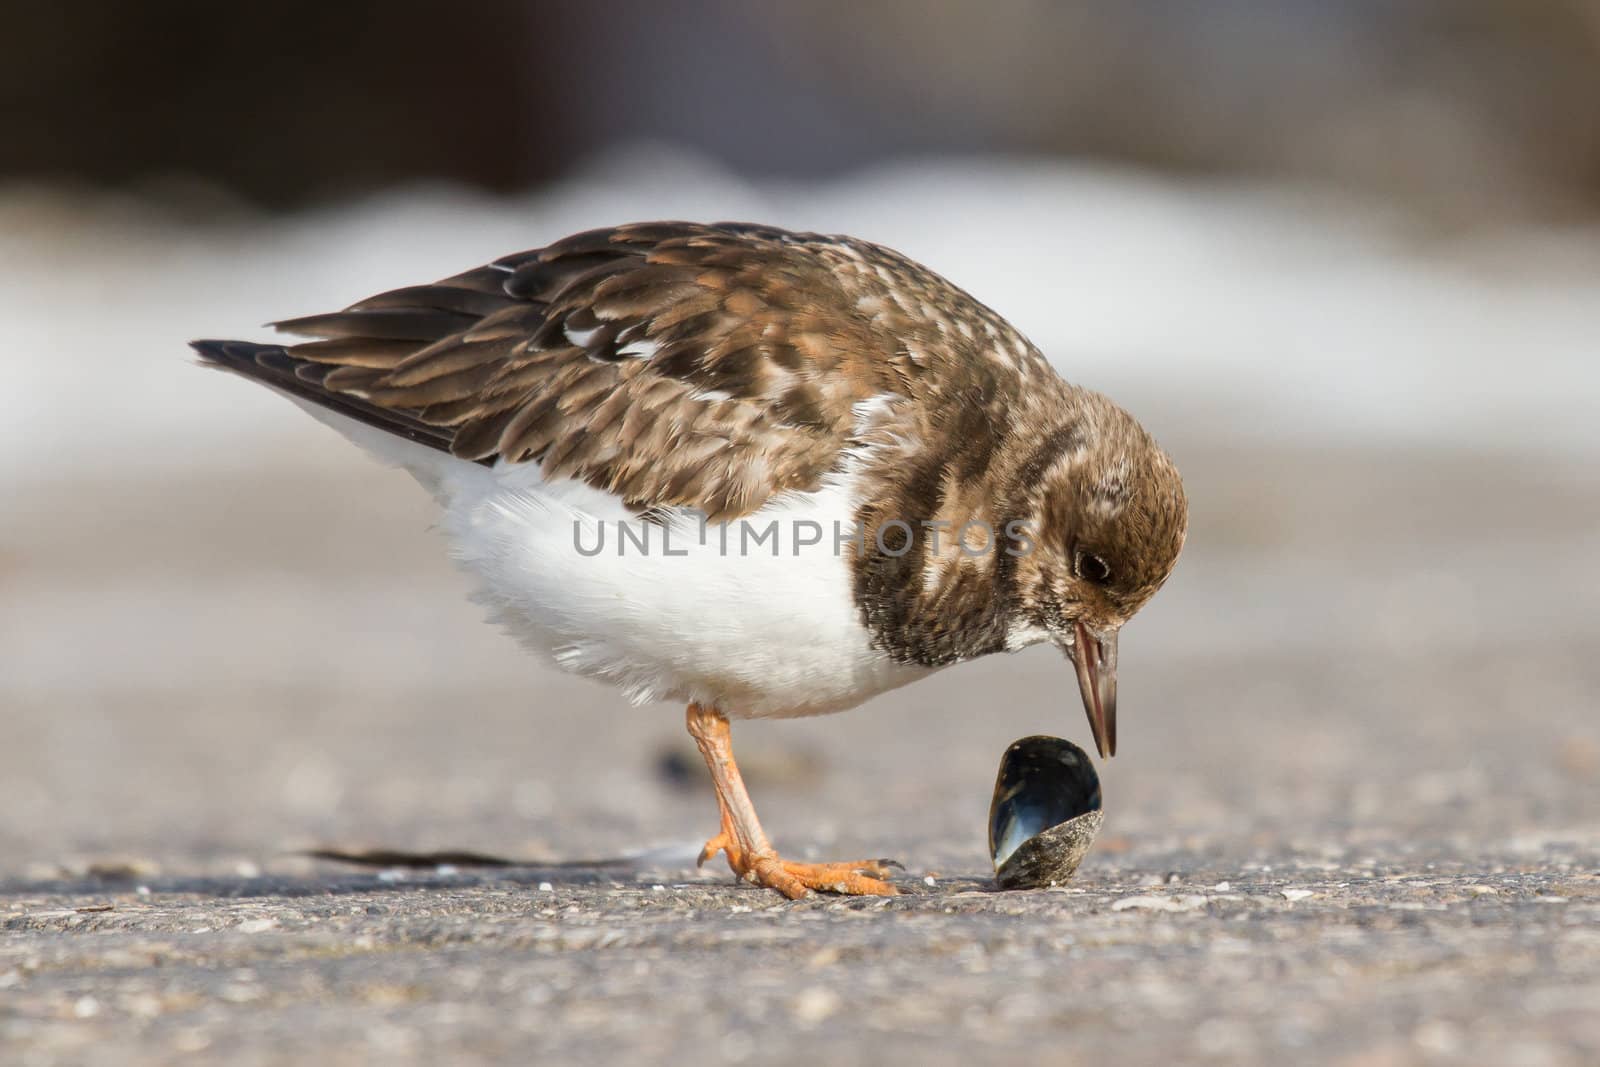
<point>744,616</point>
<point>737,627</point>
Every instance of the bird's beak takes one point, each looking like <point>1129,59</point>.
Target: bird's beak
<point>1095,657</point>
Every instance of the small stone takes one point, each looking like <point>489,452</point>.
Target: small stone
<point>546,887</point>
<point>1438,1037</point>
<point>191,1040</point>
<point>1296,894</point>
<point>814,1005</point>
<point>121,869</point>
<point>1580,757</point>
<point>143,1005</point>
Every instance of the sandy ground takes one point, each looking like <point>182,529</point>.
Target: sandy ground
<point>1355,817</point>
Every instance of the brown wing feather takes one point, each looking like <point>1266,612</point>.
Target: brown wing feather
<point>673,364</point>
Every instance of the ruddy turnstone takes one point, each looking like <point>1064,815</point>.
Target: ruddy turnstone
<point>937,492</point>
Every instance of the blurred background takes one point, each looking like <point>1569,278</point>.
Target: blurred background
<point>1340,256</point>
<point>1475,110</point>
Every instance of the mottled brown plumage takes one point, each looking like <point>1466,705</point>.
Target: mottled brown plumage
<point>729,368</point>
<point>673,364</point>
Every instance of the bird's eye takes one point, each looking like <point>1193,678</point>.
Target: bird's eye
<point>1091,568</point>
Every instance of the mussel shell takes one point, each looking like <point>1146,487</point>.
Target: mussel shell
<point>1045,812</point>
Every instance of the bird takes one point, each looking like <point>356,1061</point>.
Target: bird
<point>920,486</point>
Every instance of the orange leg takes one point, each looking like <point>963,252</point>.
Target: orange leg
<point>749,853</point>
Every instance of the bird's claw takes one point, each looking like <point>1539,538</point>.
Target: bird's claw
<point>723,842</point>
<point>795,880</point>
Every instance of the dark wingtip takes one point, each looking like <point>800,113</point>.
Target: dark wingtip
<point>277,367</point>
<point>210,350</point>
<point>236,354</point>
<point>219,355</point>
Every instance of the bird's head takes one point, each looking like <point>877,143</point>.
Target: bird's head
<point>1106,516</point>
